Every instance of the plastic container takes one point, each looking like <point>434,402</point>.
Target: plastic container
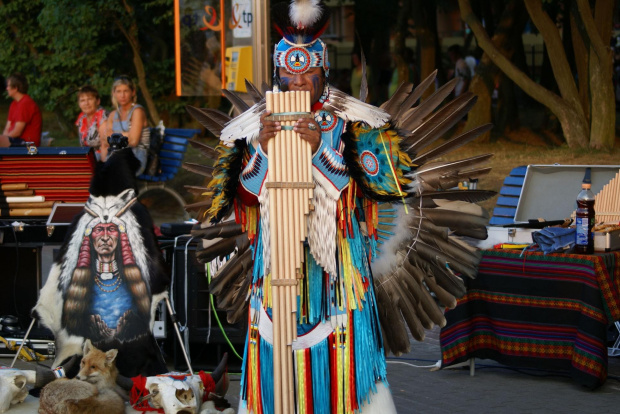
<point>584,221</point>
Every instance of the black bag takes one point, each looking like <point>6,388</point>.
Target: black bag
<point>152,162</point>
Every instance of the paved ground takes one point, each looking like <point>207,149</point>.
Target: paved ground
<point>493,388</point>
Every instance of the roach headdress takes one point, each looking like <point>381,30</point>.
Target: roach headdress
<point>300,23</point>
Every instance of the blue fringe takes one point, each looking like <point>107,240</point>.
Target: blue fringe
<point>257,253</point>
<point>244,373</point>
<point>315,290</point>
<point>266,375</point>
<point>321,387</point>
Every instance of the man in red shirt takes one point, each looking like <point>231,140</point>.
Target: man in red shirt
<point>24,121</point>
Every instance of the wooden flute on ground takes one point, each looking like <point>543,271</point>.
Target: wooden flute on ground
<point>290,191</point>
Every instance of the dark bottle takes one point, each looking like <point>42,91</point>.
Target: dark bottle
<point>584,220</point>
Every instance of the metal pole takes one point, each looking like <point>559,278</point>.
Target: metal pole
<point>23,341</point>
<point>173,317</point>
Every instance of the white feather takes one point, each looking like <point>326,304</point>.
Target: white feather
<point>304,12</point>
<point>350,109</point>
<point>244,126</point>
<point>388,259</point>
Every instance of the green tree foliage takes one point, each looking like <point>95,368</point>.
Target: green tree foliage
<point>61,45</point>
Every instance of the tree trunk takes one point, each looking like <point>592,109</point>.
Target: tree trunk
<point>132,37</point>
<point>581,64</point>
<point>568,109</point>
<point>602,101</point>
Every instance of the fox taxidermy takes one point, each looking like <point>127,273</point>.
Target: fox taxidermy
<point>91,392</point>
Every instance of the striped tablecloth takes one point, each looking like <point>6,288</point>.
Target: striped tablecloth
<point>532,310</point>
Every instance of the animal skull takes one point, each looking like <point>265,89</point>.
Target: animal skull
<point>176,393</point>
<point>13,387</point>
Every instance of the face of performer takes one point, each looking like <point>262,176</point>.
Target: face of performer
<point>313,80</point>
<point>105,239</point>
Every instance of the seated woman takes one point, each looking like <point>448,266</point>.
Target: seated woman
<point>129,119</point>
<point>91,118</point>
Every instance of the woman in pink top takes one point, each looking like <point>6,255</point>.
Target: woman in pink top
<point>91,117</point>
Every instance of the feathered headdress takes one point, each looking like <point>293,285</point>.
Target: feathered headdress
<point>300,23</point>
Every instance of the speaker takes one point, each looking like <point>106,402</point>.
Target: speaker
<point>192,303</point>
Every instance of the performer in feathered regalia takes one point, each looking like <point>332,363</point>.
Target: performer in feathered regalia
<point>369,257</point>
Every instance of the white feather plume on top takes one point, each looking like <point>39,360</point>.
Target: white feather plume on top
<point>304,13</point>
<point>244,126</point>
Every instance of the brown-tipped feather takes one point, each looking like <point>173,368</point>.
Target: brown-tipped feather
<point>408,301</point>
<point>203,170</point>
<point>393,105</point>
<point>417,93</point>
<point>203,116</point>
<point>211,250</point>
<point>364,82</point>
<point>196,189</point>
<point>265,87</point>
<point>444,278</point>
<point>206,150</point>
<point>231,271</point>
<point>430,253</point>
<point>445,298</point>
<point>440,122</point>
<point>236,100</point>
<point>239,306</point>
<point>224,230</point>
<point>198,205</point>
<point>459,220</point>
<point>452,144</point>
<point>424,298</point>
<point>431,174</point>
<point>253,91</point>
<point>391,318</point>
<point>457,253</point>
<point>471,196</point>
<point>414,117</point>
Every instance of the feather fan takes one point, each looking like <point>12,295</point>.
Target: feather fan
<point>423,251</point>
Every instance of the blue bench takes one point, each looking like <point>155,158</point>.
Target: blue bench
<point>504,211</point>
<point>171,153</point>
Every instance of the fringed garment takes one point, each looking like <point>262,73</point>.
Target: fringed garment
<point>338,355</point>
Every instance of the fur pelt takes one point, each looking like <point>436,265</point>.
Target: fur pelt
<point>92,392</point>
<point>64,302</point>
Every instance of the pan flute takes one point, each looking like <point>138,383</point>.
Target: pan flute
<point>290,189</point>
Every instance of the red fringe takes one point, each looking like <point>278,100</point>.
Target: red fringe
<point>309,399</point>
<point>138,391</point>
<point>353,393</point>
<point>209,384</point>
<point>333,373</point>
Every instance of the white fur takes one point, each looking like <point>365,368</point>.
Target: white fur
<point>304,12</point>
<point>388,259</point>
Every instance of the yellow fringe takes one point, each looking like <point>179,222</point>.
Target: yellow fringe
<point>339,370</point>
<point>301,381</point>
<point>400,191</point>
